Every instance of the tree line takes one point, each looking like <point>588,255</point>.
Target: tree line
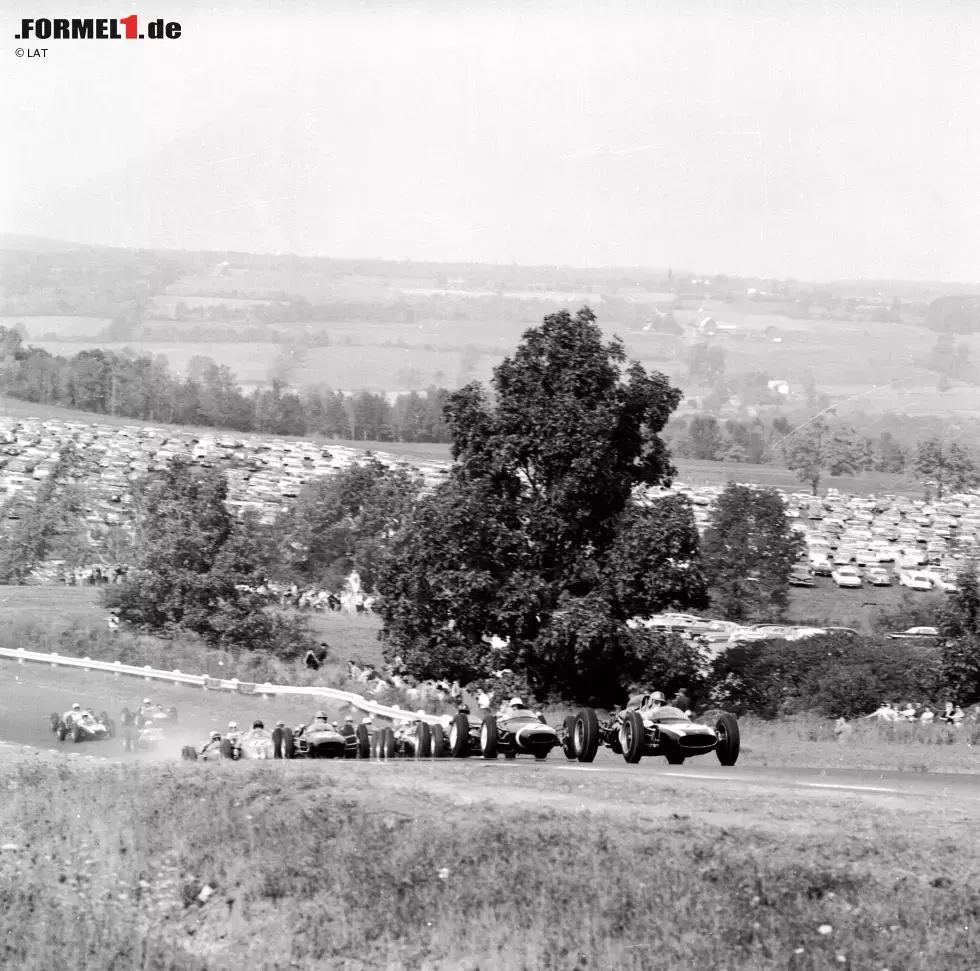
<point>142,387</point>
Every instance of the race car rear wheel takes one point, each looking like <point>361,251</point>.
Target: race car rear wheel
<point>632,737</point>
<point>438,746</point>
<point>488,737</point>
<point>568,739</point>
<point>288,744</point>
<point>76,733</point>
<point>586,735</point>
<point>728,738</point>
<point>188,753</point>
<point>62,732</point>
<point>459,736</point>
<point>363,742</point>
<point>388,743</point>
<point>423,746</point>
<point>55,722</point>
<point>227,749</point>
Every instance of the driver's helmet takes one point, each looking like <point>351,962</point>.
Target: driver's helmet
<point>146,701</point>
<point>321,716</point>
<point>233,726</point>
<point>215,736</point>
<point>258,724</point>
<point>349,720</point>
<point>334,725</point>
<point>658,696</point>
<point>515,703</point>
<point>280,724</point>
<point>76,707</point>
<point>464,709</point>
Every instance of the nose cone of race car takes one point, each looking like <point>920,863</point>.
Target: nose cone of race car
<point>537,736</point>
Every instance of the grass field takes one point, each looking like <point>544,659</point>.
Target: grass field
<point>416,867</point>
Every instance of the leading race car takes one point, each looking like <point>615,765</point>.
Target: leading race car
<point>644,728</point>
<point>81,725</point>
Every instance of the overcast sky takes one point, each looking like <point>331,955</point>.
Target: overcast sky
<point>814,140</point>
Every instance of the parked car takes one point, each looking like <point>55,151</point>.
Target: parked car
<point>846,576</point>
<point>915,580</point>
<point>878,577</point>
<point>915,633</point>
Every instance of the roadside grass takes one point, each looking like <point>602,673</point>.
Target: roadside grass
<point>311,870</point>
<point>808,741</point>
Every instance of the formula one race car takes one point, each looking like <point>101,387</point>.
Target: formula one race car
<point>149,712</point>
<point>515,731</point>
<point>416,740</point>
<point>149,737</point>
<point>322,739</point>
<point>644,729</point>
<point>82,726</point>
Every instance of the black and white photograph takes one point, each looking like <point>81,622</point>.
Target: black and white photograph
<point>559,421</point>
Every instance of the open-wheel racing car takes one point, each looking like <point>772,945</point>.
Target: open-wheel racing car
<point>415,740</point>
<point>149,712</point>
<point>82,726</point>
<point>643,729</point>
<point>323,740</point>
<point>516,730</point>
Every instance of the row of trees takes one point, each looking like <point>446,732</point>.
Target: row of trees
<point>142,387</point>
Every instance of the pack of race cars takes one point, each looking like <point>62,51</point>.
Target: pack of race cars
<point>646,726</point>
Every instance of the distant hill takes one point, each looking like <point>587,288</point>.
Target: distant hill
<point>11,242</point>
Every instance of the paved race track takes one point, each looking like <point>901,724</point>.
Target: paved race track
<point>29,693</point>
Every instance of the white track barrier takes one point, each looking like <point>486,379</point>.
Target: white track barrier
<point>210,684</point>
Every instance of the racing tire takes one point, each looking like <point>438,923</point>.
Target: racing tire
<point>55,722</point>
<point>423,745</point>
<point>438,742</point>
<point>388,744</point>
<point>459,737</point>
<point>633,737</point>
<point>568,741</point>
<point>227,749</point>
<point>277,742</point>
<point>586,735</point>
<point>62,732</point>
<point>363,742</point>
<point>76,733</point>
<point>728,738</point>
<point>676,759</point>
<point>188,753</point>
<point>489,740</point>
<point>288,744</point>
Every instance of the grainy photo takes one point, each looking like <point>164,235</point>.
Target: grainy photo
<point>559,422</point>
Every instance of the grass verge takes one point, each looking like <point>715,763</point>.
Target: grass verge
<point>339,871</point>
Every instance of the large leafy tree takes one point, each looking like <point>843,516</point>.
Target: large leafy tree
<point>749,549</point>
<point>196,567</point>
<point>342,522</point>
<point>959,627</point>
<point>536,538</point>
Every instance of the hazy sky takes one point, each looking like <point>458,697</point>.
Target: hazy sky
<point>815,140</point>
